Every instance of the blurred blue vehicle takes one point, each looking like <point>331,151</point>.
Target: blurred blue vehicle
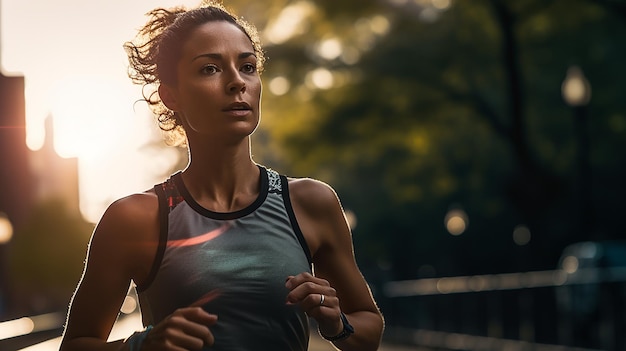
<point>592,301</point>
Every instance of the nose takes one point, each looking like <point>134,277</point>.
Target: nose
<point>236,84</point>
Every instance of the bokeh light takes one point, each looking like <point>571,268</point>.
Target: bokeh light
<point>576,89</point>
<point>379,25</point>
<point>320,78</point>
<point>129,306</point>
<point>351,219</point>
<point>521,235</point>
<point>441,4</point>
<point>290,22</point>
<point>16,327</point>
<point>6,229</point>
<point>330,49</point>
<point>456,221</point>
<point>279,85</point>
<point>570,264</point>
<point>350,55</point>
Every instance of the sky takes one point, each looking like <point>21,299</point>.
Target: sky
<point>70,53</point>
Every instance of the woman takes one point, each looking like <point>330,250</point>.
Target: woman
<point>222,252</point>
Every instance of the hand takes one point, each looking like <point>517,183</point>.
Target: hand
<point>306,291</point>
<point>187,329</point>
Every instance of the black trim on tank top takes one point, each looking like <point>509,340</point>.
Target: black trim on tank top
<point>264,187</point>
<point>163,229</point>
<point>292,218</point>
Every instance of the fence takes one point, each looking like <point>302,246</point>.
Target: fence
<point>582,309</point>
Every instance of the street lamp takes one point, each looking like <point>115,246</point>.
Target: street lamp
<point>576,92</point>
<point>576,89</point>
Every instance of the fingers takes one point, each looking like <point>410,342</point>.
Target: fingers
<point>311,293</point>
<point>197,315</point>
<point>175,338</point>
<point>306,277</point>
<point>200,321</point>
<point>187,329</point>
<point>311,301</point>
<point>317,298</point>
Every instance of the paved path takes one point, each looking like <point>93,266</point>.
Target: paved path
<point>316,343</point>
<point>127,325</point>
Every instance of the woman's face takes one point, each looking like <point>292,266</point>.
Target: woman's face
<point>219,89</point>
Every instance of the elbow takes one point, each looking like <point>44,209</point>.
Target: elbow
<point>373,337</point>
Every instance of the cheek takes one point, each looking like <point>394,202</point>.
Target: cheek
<point>198,97</point>
<point>194,108</point>
<point>255,89</point>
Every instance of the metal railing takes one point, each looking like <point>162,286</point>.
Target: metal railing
<point>22,332</point>
<point>541,310</point>
<point>505,281</point>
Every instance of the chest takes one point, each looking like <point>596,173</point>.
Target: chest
<point>245,260</point>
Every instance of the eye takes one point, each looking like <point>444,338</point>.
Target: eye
<point>208,69</point>
<point>248,68</point>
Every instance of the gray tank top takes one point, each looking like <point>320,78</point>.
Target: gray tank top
<point>232,264</point>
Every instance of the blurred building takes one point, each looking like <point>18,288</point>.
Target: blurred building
<point>26,177</point>
<point>55,177</point>
<point>16,184</point>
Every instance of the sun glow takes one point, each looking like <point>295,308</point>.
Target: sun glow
<point>88,113</point>
<point>70,54</point>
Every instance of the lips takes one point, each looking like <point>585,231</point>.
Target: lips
<point>238,106</point>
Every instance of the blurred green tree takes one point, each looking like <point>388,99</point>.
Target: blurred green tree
<point>412,108</point>
<point>46,258</point>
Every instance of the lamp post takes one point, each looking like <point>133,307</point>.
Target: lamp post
<point>576,92</point>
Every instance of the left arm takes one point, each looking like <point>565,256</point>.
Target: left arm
<point>337,276</point>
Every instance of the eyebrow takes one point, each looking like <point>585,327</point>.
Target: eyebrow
<point>241,56</point>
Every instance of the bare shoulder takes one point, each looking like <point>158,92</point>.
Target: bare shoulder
<point>117,255</point>
<point>129,227</point>
<point>133,208</point>
<point>320,216</point>
<point>127,219</point>
<point>312,194</point>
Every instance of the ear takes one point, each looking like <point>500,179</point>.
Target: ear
<point>168,97</point>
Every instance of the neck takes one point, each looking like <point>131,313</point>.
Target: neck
<point>221,178</point>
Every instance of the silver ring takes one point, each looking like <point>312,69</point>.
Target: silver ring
<point>322,298</point>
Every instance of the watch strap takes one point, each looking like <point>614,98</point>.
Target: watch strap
<point>344,334</point>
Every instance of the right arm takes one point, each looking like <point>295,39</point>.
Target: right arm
<point>122,248</point>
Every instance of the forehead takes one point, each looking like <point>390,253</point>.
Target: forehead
<point>216,37</point>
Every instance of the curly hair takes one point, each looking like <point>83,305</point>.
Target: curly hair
<point>156,50</point>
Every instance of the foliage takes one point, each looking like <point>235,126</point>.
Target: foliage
<point>46,257</point>
<point>454,107</point>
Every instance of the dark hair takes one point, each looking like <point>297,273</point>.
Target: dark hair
<point>154,53</point>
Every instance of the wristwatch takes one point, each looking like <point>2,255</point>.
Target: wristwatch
<point>344,334</point>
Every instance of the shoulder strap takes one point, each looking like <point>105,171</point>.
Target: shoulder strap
<point>292,218</point>
<point>164,209</point>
